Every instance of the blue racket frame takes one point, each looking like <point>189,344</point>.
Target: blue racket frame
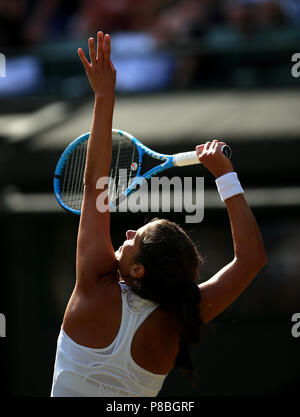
<point>60,167</point>
<point>138,179</point>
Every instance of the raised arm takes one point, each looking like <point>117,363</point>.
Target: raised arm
<point>249,254</point>
<point>95,254</point>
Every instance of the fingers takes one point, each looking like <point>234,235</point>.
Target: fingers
<point>203,148</point>
<point>209,147</point>
<point>103,49</point>
<point>100,66</point>
<point>218,147</point>
<point>92,51</point>
<point>83,59</point>
<point>199,149</point>
<point>100,43</point>
<point>107,48</point>
<point>214,146</point>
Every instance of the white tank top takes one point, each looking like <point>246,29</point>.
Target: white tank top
<point>80,371</point>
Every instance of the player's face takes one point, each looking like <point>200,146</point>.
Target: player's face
<point>126,253</point>
<point>130,246</point>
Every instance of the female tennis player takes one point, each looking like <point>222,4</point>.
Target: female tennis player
<point>134,312</point>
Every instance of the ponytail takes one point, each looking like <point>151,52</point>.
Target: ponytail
<point>189,318</point>
<point>171,262</point>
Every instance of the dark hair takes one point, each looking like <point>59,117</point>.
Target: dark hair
<point>171,261</point>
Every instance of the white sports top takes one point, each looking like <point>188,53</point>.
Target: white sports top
<point>81,371</point>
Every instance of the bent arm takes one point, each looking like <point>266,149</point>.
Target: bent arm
<point>249,257</point>
<point>249,254</point>
<point>95,254</point>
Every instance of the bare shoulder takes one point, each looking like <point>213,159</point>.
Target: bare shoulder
<point>167,325</point>
<point>156,343</point>
<point>89,311</point>
<point>169,332</point>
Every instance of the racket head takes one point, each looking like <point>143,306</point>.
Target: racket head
<point>126,159</point>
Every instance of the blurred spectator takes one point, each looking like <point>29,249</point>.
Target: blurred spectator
<point>270,14</point>
<point>24,22</point>
<point>143,14</point>
<point>37,21</point>
<point>181,21</point>
<point>12,15</point>
<point>292,9</point>
<point>180,24</point>
<point>105,15</point>
<point>113,16</point>
<point>147,30</point>
<point>47,20</point>
<point>245,19</point>
<point>170,22</point>
<point>241,16</point>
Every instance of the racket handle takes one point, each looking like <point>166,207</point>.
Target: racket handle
<point>190,158</point>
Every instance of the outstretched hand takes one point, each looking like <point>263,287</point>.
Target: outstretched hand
<point>100,71</point>
<point>211,156</point>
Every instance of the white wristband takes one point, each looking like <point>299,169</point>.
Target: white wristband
<point>228,185</point>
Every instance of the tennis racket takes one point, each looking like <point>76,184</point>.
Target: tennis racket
<point>127,159</point>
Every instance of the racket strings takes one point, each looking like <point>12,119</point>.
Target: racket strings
<point>124,167</point>
<point>73,176</point>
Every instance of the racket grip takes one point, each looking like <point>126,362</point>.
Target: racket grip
<point>185,158</point>
<point>190,158</point>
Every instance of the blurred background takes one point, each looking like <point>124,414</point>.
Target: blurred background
<point>187,71</point>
